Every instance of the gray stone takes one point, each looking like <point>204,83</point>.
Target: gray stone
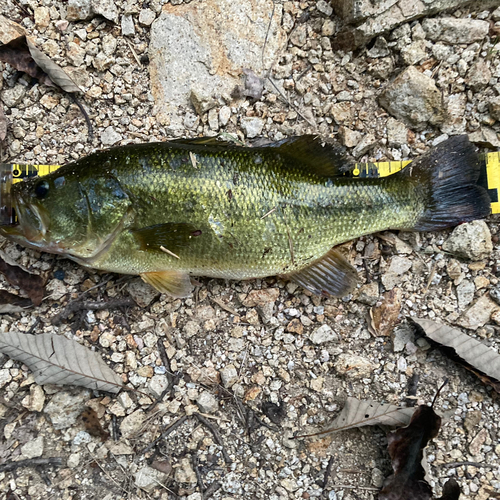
<point>14,96</point>
<point>323,334</point>
<point>379,49</point>
<point>471,241</point>
<point>148,478</point>
<point>486,137</point>
<point>191,328</point>
<point>478,75</point>
<point>132,424</point>
<point>414,53</point>
<point>324,7</point>
<point>142,293</point>
<point>399,265</point>
<point>33,448</point>
<point>252,126</point>
<point>207,402</point>
<point>372,18</point>
<point>455,114</point>
<point>213,119</point>
<point>229,376</point>
<point>146,17</point>
<point>348,137</point>
<point>369,293</point>
<point>158,384</point>
<point>455,31</point>
<point>353,367</point>
<point>102,62</point>
<point>106,8</point>
<point>494,107</point>
<point>128,28</point>
<point>364,145</point>
<point>224,115</point>
<point>414,98</point>
<point>397,133</point>
<point>402,335</point>
<point>465,293</point>
<point>494,294</point>
<point>79,10</point>
<point>479,314</point>
<point>65,407</point>
<point>187,52</point>
<point>110,136</point>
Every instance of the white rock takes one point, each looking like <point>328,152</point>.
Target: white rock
<point>148,478</point>
<point>323,334</point>
<point>65,407</point>
<point>354,367</point>
<point>224,115</point>
<point>110,136</point>
<point>132,423</point>
<point>158,384</point>
<point>471,241</point>
<point>33,448</point>
<point>106,8</point>
<point>184,474</point>
<point>12,97</point>
<point>185,48</point>
<point>455,31</point>
<point>128,28</point>
<point>207,402</point>
<point>252,126</point>
<point>146,17</point>
<point>35,400</point>
<point>229,376</point>
<point>79,10</point>
<point>465,293</point>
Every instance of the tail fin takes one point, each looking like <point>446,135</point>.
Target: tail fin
<point>447,176</point>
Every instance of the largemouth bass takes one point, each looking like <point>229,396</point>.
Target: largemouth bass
<point>166,211</point>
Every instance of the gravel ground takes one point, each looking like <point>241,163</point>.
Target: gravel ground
<point>261,360</point>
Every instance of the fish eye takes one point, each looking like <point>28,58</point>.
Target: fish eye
<point>41,190</point>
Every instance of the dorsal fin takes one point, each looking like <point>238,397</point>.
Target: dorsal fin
<point>325,160</point>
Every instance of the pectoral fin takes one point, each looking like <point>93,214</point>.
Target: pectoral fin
<point>329,275</point>
<point>174,283</point>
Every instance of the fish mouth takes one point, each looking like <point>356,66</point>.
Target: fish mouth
<point>31,228</point>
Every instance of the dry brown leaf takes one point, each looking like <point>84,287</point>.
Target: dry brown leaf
<point>53,70</point>
<point>384,316</point>
<point>54,359</point>
<point>32,284</point>
<point>22,54</point>
<point>357,413</point>
<point>465,349</point>
<point>10,303</point>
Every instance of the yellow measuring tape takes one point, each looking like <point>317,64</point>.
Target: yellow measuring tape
<point>490,173</point>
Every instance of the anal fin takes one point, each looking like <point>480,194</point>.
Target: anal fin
<point>174,283</point>
<point>329,275</point>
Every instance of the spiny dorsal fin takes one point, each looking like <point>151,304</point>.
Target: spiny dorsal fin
<point>329,275</point>
<point>325,160</point>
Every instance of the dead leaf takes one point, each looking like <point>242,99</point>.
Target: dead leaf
<point>473,355</point>
<point>10,303</point>
<point>406,449</point>
<point>357,413</point>
<point>384,316</point>
<point>54,359</point>
<point>32,284</point>
<point>22,55</point>
<point>3,124</point>
<point>92,424</point>
<point>53,70</point>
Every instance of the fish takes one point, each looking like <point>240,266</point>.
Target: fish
<point>170,210</point>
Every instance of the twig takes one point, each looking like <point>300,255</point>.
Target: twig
<point>80,305</point>
<point>131,47</point>
<point>212,489</point>
<point>350,487</point>
<point>328,471</point>
<point>31,462</point>
<point>267,34</point>
<point>472,464</point>
<point>168,430</point>
<point>199,479</point>
<point>85,115</point>
<point>114,428</point>
<point>216,434</point>
<point>226,308</point>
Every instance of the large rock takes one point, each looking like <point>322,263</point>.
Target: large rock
<point>65,407</point>
<point>370,18</point>
<point>470,241</point>
<point>414,98</point>
<point>204,46</point>
<point>455,31</point>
